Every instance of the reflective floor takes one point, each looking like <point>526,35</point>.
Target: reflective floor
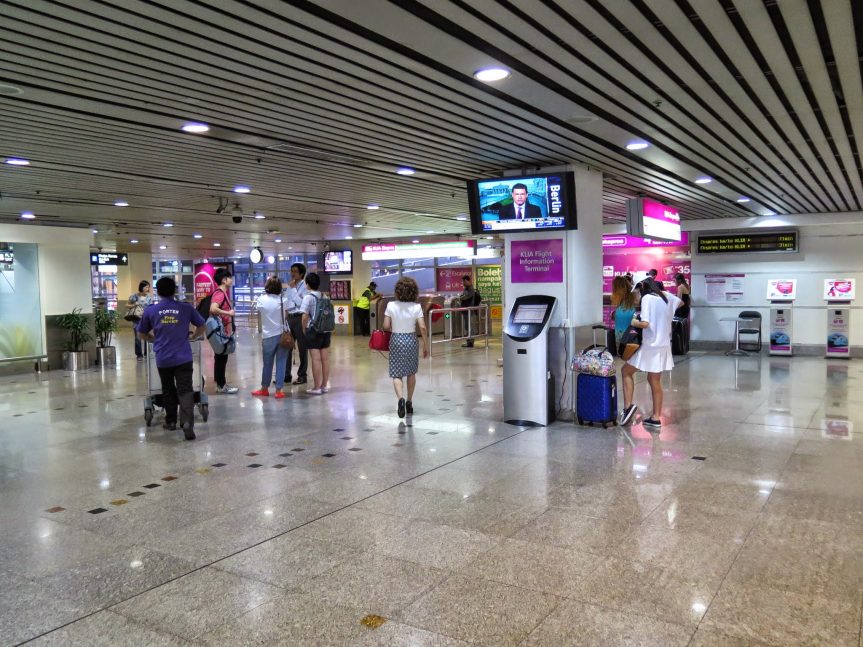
<point>325,520</point>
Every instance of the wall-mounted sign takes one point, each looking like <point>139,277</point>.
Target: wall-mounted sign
<point>489,283</point>
<point>108,258</point>
<point>617,241</point>
<point>204,281</point>
<point>390,251</point>
<point>449,279</point>
<point>724,288</point>
<point>839,289</point>
<point>343,314</point>
<point>749,241</point>
<point>781,289</point>
<point>537,261</point>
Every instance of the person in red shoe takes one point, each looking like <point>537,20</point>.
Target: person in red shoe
<point>271,307</point>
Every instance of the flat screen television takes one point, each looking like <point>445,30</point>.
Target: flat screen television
<point>544,202</point>
<point>654,220</point>
<point>338,262</point>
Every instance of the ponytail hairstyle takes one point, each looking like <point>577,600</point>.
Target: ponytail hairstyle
<point>649,286</point>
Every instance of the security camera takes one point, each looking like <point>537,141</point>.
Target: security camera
<point>237,219</point>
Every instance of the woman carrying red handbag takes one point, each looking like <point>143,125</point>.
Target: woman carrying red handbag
<point>401,318</point>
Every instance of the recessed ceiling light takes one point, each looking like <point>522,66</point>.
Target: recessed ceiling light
<point>259,216</point>
<point>134,241</point>
<point>491,74</point>
<point>121,203</point>
<point>768,213</point>
<point>167,224</point>
<point>236,250</point>
<point>357,225</point>
<point>278,240</point>
<point>430,231</point>
<point>349,237</point>
<point>28,215</point>
<point>95,231</point>
<point>404,170</point>
<point>461,217</point>
<point>415,242</point>
<point>704,180</point>
<point>17,161</point>
<point>744,199</point>
<point>373,206</point>
<point>242,189</point>
<point>217,244</point>
<point>10,90</point>
<point>195,127</point>
<point>489,237</point>
<point>197,236</point>
<point>636,146</point>
<point>271,259</point>
<point>163,247</point>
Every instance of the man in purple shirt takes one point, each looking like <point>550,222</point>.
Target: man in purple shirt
<point>167,324</point>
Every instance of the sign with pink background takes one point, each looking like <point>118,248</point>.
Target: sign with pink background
<point>449,278</point>
<point>537,261</point>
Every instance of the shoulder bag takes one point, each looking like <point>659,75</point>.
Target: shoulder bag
<point>287,339</point>
<point>630,342</point>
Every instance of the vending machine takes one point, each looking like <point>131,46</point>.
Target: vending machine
<point>781,293</point>
<point>839,293</point>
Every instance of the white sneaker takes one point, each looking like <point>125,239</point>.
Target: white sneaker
<point>227,389</point>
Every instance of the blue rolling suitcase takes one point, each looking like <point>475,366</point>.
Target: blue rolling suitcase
<point>596,399</point>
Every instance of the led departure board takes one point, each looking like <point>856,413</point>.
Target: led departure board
<point>754,241</point>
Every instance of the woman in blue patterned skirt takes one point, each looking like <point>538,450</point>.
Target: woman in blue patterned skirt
<point>401,318</point>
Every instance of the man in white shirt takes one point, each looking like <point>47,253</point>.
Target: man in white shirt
<point>294,300</point>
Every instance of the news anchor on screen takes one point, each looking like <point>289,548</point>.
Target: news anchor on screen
<point>520,207</point>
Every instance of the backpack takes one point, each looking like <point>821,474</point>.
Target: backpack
<point>325,315</point>
<point>204,307</point>
<point>222,343</point>
<point>477,298</point>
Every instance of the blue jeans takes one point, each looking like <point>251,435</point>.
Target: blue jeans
<point>273,353</point>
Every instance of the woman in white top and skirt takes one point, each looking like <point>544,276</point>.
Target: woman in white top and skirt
<point>401,318</point>
<point>654,355</point>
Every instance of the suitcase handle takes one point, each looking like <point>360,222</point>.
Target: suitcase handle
<point>599,326</point>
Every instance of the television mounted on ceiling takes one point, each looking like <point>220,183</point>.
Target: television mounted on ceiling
<point>540,202</point>
<point>339,262</point>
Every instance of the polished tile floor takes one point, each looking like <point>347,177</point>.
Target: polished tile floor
<point>328,521</point>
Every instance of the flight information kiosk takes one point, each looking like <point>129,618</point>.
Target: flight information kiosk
<point>528,384</point>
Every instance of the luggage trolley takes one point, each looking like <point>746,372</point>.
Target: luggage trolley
<point>154,384</point>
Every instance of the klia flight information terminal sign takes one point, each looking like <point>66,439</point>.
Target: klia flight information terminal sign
<point>744,242</point>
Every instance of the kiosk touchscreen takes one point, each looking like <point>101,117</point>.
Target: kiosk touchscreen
<point>528,385</point>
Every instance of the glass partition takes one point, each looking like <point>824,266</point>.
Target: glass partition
<point>20,305</point>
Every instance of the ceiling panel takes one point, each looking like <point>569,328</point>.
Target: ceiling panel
<point>316,103</point>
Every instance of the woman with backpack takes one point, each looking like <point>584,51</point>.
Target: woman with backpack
<point>317,339</point>
<point>401,318</point>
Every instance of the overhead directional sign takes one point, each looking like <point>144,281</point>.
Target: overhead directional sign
<point>108,258</point>
<point>748,241</point>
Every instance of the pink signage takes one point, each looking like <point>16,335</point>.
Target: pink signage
<point>537,261</point>
<point>449,279</point>
<point>204,283</point>
<point>660,221</point>
<point>615,241</point>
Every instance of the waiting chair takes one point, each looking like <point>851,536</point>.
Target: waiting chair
<point>750,324</point>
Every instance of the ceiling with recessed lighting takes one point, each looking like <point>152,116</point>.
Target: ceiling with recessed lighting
<point>316,106</point>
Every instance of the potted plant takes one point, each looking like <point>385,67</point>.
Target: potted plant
<point>76,358</point>
<point>106,325</point>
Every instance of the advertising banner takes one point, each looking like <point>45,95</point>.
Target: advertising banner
<point>781,289</point>
<point>340,290</point>
<point>839,289</point>
<point>489,283</point>
<point>537,261</point>
<point>838,329</point>
<point>448,279</point>
<point>204,282</point>
<point>622,254</point>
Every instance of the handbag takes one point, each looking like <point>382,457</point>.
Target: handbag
<point>594,361</point>
<point>134,312</point>
<point>380,340</point>
<point>630,342</point>
<point>286,340</point>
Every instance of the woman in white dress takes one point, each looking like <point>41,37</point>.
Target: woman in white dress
<point>401,318</point>
<point>654,355</point>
